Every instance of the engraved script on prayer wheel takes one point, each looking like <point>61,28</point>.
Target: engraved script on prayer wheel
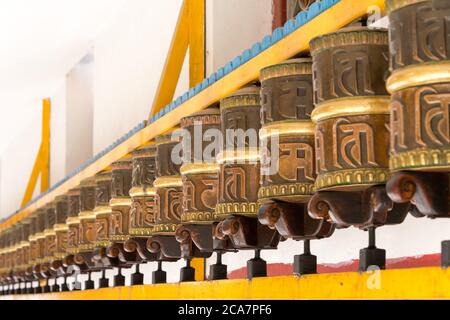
<point>61,228</point>
<point>287,103</point>
<point>142,213</point>
<point>73,221</point>
<point>50,234</point>
<point>351,108</point>
<point>239,160</point>
<point>120,200</point>
<point>102,209</point>
<point>200,176</point>
<point>420,84</point>
<point>169,187</point>
<point>87,215</point>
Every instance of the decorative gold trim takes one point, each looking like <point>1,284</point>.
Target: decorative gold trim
<point>40,236</point>
<point>168,182</point>
<point>199,217</point>
<point>61,227</point>
<point>392,5</point>
<point>117,202</point>
<point>72,250</point>
<point>286,128</point>
<point>102,243</point>
<point>196,168</point>
<point>86,215</point>
<point>141,231</point>
<point>59,255</point>
<point>86,247</point>
<point>293,67</point>
<point>119,237</point>
<point>420,159</point>
<point>349,36</point>
<point>102,210</point>
<point>142,191</point>
<point>32,238</point>
<point>350,107</point>
<point>419,75</point>
<point>242,155</point>
<point>73,220</point>
<point>165,228</point>
<point>49,232</point>
<point>362,176</point>
<point>238,208</point>
<point>246,97</point>
<point>286,190</point>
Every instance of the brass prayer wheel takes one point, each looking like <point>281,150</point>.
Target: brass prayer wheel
<point>86,240</point>
<point>120,202</point>
<point>199,176</point>
<point>142,213</point>
<point>239,160</point>
<point>169,187</point>
<point>61,230</point>
<point>50,239</point>
<point>352,108</point>
<point>73,223</point>
<point>102,209</point>
<point>87,215</point>
<point>33,244</point>
<point>287,103</point>
<point>420,85</point>
<point>40,239</point>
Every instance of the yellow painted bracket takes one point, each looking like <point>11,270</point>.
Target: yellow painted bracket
<point>418,283</point>
<point>189,33</point>
<point>42,163</point>
<point>340,15</point>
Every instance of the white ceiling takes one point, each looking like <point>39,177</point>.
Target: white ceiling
<point>40,41</point>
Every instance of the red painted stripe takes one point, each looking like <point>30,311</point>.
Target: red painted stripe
<point>283,269</point>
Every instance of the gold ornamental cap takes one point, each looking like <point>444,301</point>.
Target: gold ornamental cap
<point>292,67</point>
<point>61,198</point>
<point>88,182</point>
<point>147,151</point>
<point>392,5</point>
<point>209,116</point>
<point>103,176</point>
<point>349,36</point>
<point>246,97</point>
<point>123,164</point>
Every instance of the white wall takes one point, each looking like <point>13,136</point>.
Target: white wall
<point>129,57</point>
<point>233,26</point>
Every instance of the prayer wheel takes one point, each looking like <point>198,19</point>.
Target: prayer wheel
<point>50,243</point>
<point>200,177</point>
<point>102,212</point>
<point>168,205</point>
<point>86,240</point>
<point>119,217</point>
<point>419,84</point>
<point>61,231</point>
<point>288,166</point>
<point>40,237</point>
<point>239,178</point>
<point>34,249</point>
<point>352,138</point>
<point>73,224</point>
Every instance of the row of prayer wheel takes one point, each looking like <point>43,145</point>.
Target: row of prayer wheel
<point>356,135</point>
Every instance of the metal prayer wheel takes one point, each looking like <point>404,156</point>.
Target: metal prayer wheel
<point>287,103</point>
<point>288,170</point>
<point>86,240</point>
<point>61,230</point>
<point>168,205</point>
<point>50,241</point>
<point>102,212</point>
<point>420,123</point>
<point>142,212</point>
<point>142,192</point>
<point>200,176</point>
<point>169,188</point>
<point>73,224</point>
<point>420,85</point>
<point>239,178</point>
<point>40,240</point>
<point>352,137</point>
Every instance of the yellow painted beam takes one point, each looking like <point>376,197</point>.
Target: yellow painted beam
<point>419,283</point>
<point>41,165</point>
<point>341,14</point>
<point>196,12</point>
<point>174,62</point>
<point>45,146</point>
